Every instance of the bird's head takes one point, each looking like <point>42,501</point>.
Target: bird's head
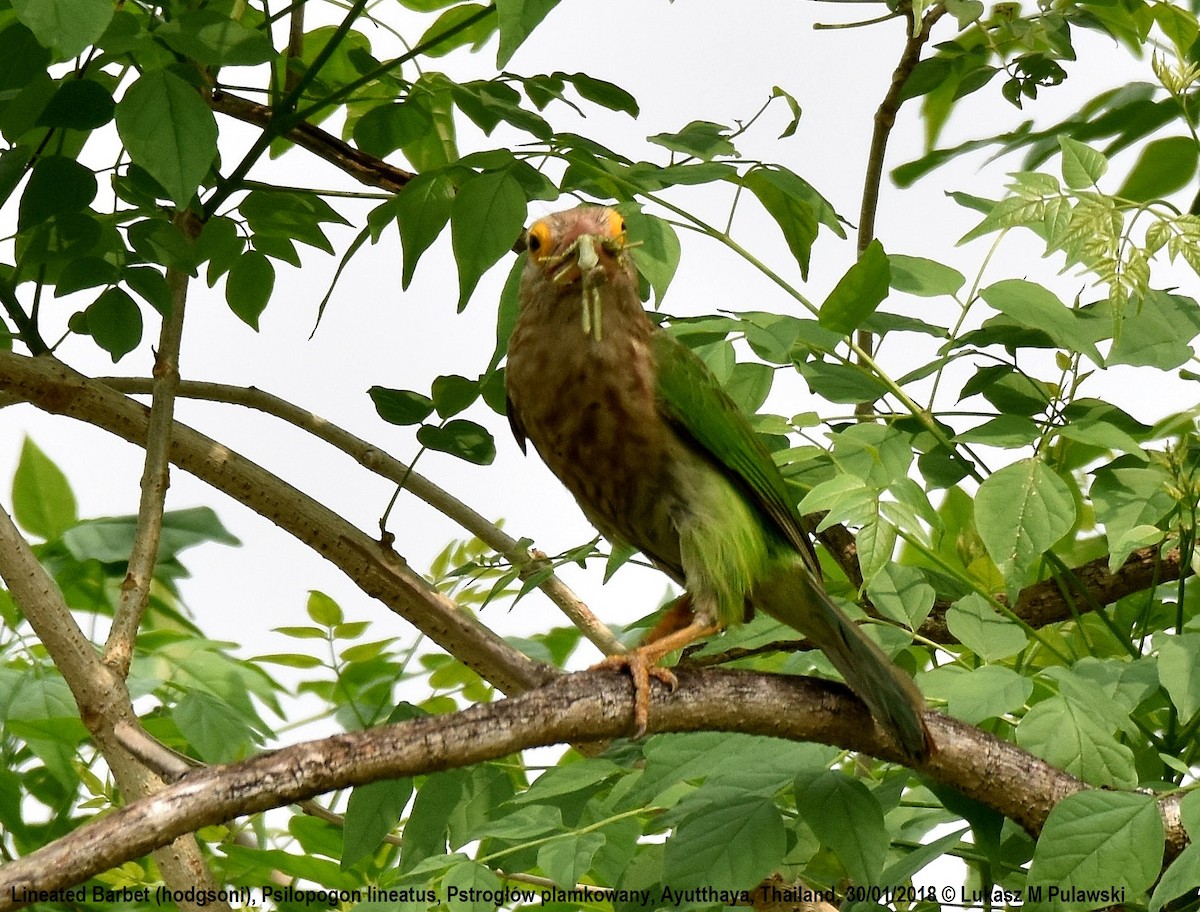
<point>580,257</point>
<point>587,243</point>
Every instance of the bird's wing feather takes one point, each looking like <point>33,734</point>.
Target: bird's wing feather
<point>691,399</point>
<point>514,422</point>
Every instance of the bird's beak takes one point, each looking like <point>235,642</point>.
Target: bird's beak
<point>586,256</point>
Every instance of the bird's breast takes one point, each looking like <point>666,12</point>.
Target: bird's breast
<point>589,407</point>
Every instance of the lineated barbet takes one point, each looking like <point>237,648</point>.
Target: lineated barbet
<point>660,458</point>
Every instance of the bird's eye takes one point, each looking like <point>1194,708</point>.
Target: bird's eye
<point>537,240</point>
<point>616,226</point>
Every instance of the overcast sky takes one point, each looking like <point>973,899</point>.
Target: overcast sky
<point>695,60</point>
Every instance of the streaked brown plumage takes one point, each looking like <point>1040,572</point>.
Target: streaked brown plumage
<point>658,457</point>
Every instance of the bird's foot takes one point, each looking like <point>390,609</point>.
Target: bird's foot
<point>642,665</point>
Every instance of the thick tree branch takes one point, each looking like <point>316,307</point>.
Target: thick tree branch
<point>376,460</point>
<point>1043,603</point>
<point>580,707</point>
<point>378,571</point>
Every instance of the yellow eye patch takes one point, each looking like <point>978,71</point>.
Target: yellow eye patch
<point>539,241</point>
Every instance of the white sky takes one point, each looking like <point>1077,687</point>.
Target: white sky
<point>683,61</point>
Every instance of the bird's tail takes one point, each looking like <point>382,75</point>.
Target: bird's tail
<point>894,700</point>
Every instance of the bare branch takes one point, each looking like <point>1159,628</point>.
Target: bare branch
<point>379,462</point>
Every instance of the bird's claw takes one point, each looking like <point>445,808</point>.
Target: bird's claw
<point>641,668</point>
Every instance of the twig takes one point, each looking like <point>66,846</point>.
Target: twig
<point>364,168</point>
<point>885,119</point>
<point>156,475</point>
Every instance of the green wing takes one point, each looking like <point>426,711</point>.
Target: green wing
<point>691,399</point>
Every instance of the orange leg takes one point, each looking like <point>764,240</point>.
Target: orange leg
<point>642,664</point>
<point>677,617</point>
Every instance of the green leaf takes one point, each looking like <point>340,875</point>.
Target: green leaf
<point>859,292</point>
<point>517,19</point>
<point>452,23</point>
<point>567,859</point>
<point>793,106</point>
<point>66,26</point>
<point>700,139</point>
<point>846,817</point>
<point>506,319</point>
<point>657,256</point>
<point>1036,307</point>
<point>464,439</point>
<point>57,186</point>
<point>1126,498</point>
<point>168,130</point>
<point>438,147</point>
<point>110,539</point>
<point>1158,333</point>
<point>452,394</point>
<point>878,454</point>
<point>603,93</point>
<point>215,39</point>
<point>1179,671</point>
<point>785,197</point>
<point>1082,166</point>
<point>1182,876</point>
<point>737,840</point>
<point>469,886</point>
<point>566,780</point>
<point>1020,512</point>
<point>977,626</point>
<point>485,219</point>
<point>289,215</point>
<point>1164,166</point>
<point>1008,431</point>
<point>422,211</point>
<point>85,272</point>
<point>323,610</point>
<point>902,593</point>
<point>400,406</point>
<point>12,167</point>
<point>42,500</point>
<point>388,127</point>
<point>1078,738</point>
<point>249,286</point>
<point>218,734</point>
<point>926,278</point>
<point>372,812</point>
<point>1178,24</point>
<point>843,383</point>
<point>79,104</point>
<point>151,284</point>
<point>976,694</point>
<point>1095,841</point>
<point>115,321</point>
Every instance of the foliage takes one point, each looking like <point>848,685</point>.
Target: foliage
<point>991,469</point>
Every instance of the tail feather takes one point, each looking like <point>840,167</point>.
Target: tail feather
<point>891,695</point>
